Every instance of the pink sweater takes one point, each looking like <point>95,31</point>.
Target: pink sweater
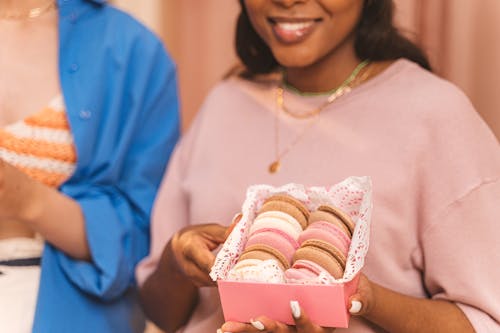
<point>434,164</point>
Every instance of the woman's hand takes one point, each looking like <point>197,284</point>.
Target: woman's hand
<point>192,251</point>
<point>264,324</point>
<point>363,300</point>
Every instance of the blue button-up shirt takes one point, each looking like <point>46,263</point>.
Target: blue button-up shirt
<point>120,92</point>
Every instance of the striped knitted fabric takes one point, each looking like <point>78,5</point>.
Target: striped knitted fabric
<point>41,145</point>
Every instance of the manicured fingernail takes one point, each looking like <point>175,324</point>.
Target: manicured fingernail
<point>220,331</point>
<point>355,307</point>
<point>257,324</point>
<point>294,305</point>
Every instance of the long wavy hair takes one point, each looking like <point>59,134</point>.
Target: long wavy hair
<point>376,38</point>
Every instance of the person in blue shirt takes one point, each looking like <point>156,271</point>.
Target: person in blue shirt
<point>78,175</point>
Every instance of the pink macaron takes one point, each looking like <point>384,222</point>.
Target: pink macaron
<point>277,220</point>
<point>304,271</point>
<point>275,238</point>
<point>327,232</point>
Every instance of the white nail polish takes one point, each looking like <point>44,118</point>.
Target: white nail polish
<point>257,324</point>
<point>294,305</point>
<point>355,307</point>
<point>220,331</point>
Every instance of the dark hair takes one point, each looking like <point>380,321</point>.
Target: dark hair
<point>376,39</point>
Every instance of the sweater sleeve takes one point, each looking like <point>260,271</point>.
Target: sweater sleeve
<point>461,254</point>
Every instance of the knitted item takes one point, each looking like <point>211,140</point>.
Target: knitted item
<point>41,145</point>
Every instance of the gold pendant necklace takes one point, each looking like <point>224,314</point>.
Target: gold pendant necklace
<point>31,13</point>
<point>353,80</point>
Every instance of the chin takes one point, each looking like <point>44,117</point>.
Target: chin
<point>295,60</point>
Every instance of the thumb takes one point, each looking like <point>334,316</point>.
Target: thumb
<point>357,305</point>
<point>235,220</point>
<point>362,301</point>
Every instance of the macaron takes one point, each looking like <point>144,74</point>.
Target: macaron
<point>275,238</point>
<point>257,270</point>
<point>327,232</point>
<point>323,254</point>
<point>304,271</point>
<point>333,215</point>
<point>264,252</point>
<point>277,220</point>
<point>289,205</point>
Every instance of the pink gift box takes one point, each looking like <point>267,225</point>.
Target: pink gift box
<point>326,305</point>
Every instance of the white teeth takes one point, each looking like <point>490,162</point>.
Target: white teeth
<point>295,25</point>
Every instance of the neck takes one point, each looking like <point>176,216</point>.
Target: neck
<point>326,74</point>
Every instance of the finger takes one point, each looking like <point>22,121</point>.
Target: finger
<point>302,322</point>
<point>235,220</point>
<point>196,275</point>
<point>200,255</point>
<point>361,302</point>
<point>199,250</point>
<point>215,233</point>
<point>265,324</point>
<point>356,305</point>
<point>237,327</point>
<point>257,325</point>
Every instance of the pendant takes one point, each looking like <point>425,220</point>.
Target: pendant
<point>274,167</point>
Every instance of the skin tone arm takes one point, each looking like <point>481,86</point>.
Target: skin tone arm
<point>41,208</point>
<point>170,293</point>
<point>396,312</point>
<point>26,205</point>
<point>392,311</point>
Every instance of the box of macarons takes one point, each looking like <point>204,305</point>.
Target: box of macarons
<point>295,243</point>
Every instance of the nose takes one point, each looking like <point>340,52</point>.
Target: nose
<point>288,3</point>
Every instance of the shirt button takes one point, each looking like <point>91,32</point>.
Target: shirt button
<point>74,67</point>
<point>85,114</point>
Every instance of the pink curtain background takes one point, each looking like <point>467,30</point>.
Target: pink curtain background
<point>460,37</point>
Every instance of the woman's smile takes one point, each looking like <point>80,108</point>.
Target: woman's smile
<point>290,30</point>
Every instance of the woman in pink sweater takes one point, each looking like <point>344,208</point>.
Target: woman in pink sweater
<point>331,89</point>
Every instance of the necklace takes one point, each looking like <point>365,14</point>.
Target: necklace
<point>353,80</point>
<point>31,13</point>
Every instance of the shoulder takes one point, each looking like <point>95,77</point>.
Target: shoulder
<point>425,91</point>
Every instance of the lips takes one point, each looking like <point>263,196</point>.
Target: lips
<point>290,31</point>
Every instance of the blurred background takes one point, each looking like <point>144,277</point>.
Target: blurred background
<point>458,35</point>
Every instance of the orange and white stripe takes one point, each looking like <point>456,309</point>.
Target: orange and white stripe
<point>41,145</point>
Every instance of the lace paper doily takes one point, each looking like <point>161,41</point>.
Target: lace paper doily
<point>353,196</point>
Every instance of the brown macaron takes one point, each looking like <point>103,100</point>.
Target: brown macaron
<point>320,215</point>
<point>264,252</point>
<point>340,216</point>
<point>324,254</point>
<point>289,205</point>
